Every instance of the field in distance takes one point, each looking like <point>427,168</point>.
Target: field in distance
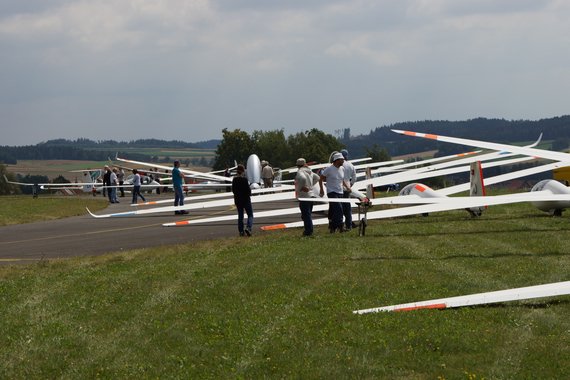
<point>55,168</point>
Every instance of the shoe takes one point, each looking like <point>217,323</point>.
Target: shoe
<point>241,234</point>
<point>248,231</point>
<point>177,212</point>
<point>184,212</point>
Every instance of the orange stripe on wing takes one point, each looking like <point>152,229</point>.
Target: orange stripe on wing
<point>409,133</point>
<point>432,306</point>
<point>273,227</point>
<point>428,136</point>
<point>182,223</point>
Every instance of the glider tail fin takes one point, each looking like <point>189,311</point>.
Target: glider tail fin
<point>477,188</point>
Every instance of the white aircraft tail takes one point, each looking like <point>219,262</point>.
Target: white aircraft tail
<point>477,188</point>
<point>89,178</point>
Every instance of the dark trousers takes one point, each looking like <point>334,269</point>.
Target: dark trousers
<point>137,193</point>
<point>335,211</point>
<point>347,211</point>
<point>249,211</point>
<point>178,196</point>
<point>306,208</point>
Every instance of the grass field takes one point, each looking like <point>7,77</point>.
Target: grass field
<point>25,209</point>
<point>277,305</point>
<point>54,168</point>
<point>173,152</point>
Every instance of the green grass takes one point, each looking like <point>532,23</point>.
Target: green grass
<point>277,305</point>
<point>25,209</point>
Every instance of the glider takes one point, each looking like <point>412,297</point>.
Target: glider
<point>552,186</point>
<point>438,204</point>
<point>517,294</point>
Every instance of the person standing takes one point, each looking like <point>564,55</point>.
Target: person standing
<point>121,179</point>
<point>350,178</point>
<point>242,200</point>
<point>137,187</point>
<point>106,181</point>
<point>267,174</point>
<point>113,188</point>
<point>334,177</point>
<point>157,179</point>
<point>305,180</point>
<point>177,183</point>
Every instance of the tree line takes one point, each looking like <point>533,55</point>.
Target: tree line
<point>314,145</point>
<point>276,148</point>
<point>556,129</point>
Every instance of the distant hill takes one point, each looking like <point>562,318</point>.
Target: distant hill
<point>556,130</point>
<point>141,143</point>
<point>85,149</point>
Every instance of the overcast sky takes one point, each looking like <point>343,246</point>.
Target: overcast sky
<point>186,69</point>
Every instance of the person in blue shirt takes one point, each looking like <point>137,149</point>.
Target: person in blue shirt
<point>177,183</point>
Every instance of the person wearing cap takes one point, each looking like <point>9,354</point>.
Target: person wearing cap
<point>267,174</point>
<point>350,178</point>
<point>334,177</point>
<point>242,200</point>
<point>305,180</point>
<point>177,183</point>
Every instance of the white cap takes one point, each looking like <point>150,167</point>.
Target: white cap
<point>337,156</point>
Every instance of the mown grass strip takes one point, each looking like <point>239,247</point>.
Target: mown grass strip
<point>25,209</point>
<point>277,305</point>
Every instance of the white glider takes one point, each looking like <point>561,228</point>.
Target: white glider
<point>517,294</point>
<point>439,203</point>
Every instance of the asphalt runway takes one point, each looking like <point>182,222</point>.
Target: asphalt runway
<point>88,236</point>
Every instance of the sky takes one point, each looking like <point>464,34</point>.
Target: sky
<point>186,69</point>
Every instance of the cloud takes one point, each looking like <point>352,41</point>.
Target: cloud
<point>194,67</point>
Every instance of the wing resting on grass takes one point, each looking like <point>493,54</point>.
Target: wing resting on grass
<point>517,294</point>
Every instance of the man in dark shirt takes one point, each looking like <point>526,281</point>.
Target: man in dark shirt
<point>242,200</point>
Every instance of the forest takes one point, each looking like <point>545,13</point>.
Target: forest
<point>556,129</point>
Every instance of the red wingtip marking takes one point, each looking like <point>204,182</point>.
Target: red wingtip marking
<point>273,227</point>
<point>433,306</point>
<point>182,223</point>
<point>420,188</point>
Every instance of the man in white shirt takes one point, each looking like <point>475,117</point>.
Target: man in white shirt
<point>267,174</point>
<point>334,177</point>
<point>349,177</point>
<point>305,180</point>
